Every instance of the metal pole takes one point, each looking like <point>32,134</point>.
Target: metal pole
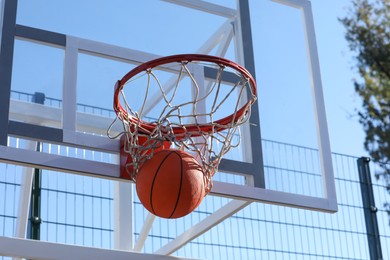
<point>36,205</point>
<point>370,210</point>
<point>7,40</point>
<point>35,216</point>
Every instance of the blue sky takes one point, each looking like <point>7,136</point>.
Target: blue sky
<point>336,61</point>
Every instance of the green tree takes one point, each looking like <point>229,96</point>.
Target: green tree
<point>368,34</point>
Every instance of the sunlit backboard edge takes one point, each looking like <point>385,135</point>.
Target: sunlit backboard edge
<point>53,162</point>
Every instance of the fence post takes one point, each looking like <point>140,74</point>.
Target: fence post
<point>35,228</point>
<point>373,237</point>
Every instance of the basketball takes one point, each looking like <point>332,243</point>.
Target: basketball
<point>170,184</point>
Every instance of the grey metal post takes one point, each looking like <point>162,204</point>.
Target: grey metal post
<point>6,56</point>
<point>248,52</point>
<point>373,237</point>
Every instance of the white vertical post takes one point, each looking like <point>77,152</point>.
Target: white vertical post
<point>25,197</point>
<point>24,203</point>
<point>69,90</point>
<point>123,216</point>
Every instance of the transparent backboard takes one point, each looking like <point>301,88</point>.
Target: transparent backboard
<point>58,76</point>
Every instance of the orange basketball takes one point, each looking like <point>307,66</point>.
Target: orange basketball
<point>170,184</point>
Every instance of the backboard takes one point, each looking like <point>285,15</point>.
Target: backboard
<point>59,69</point>
<point>58,78</point>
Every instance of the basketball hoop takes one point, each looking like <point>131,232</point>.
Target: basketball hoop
<point>189,124</point>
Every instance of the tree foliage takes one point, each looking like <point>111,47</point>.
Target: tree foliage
<point>368,34</point>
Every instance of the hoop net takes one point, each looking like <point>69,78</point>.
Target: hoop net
<point>179,102</point>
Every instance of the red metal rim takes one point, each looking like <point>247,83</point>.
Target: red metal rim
<point>221,123</point>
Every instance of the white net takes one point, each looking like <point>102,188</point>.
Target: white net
<point>193,106</point>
